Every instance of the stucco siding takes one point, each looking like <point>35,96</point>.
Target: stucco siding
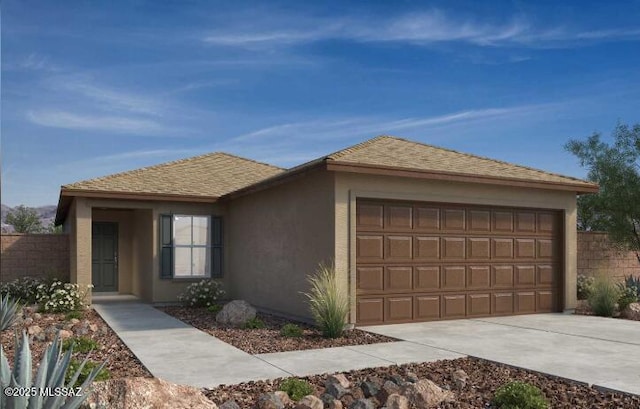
<point>278,236</point>
<point>349,187</point>
<point>143,245</point>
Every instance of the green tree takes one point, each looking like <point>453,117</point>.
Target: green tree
<point>616,168</point>
<point>24,220</point>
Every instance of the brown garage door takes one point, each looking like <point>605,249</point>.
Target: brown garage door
<point>429,261</point>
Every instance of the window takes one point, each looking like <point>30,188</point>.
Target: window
<point>191,246</point>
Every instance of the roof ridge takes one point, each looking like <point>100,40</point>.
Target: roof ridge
<point>164,164</point>
<point>502,162</point>
<point>353,148</point>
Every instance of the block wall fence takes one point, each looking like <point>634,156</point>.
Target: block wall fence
<point>42,255</point>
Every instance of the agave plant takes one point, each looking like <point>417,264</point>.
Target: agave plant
<point>50,375</point>
<point>633,282</point>
<point>8,309</point>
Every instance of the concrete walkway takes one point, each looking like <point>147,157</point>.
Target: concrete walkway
<point>182,354</point>
<point>177,352</point>
<point>600,351</point>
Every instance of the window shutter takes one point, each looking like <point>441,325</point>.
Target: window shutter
<point>217,240</point>
<point>166,246</point>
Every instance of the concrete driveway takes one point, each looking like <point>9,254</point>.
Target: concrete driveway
<point>601,351</point>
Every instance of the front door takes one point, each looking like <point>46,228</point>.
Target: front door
<point>104,254</point>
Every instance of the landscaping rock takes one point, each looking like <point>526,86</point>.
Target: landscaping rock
<point>362,404</point>
<point>369,389</point>
<point>388,388</point>
<point>397,379</point>
<point>34,330</point>
<point>230,404</point>
<point>65,334</point>
<point>460,378</point>
<point>27,321</point>
<point>74,321</point>
<point>284,397</point>
<point>632,312</point>
<point>327,399</point>
<point>236,313</point>
<point>93,327</point>
<point>310,402</point>
<point>270,401</point>
<point>411,377</point>
<point>139,393</point>
<point>424,394</point>
<point>338,378</point>
<point>336,390</point>
<point>335,404</point>
<point>348,400</point>
<point>395,401</point>
<point>37,316</point>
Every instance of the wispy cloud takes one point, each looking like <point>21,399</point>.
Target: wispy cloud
<point>119,124</point>
<point>425,28</point>
<point>107,97</point>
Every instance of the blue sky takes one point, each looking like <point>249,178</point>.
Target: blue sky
<point>92,88</point>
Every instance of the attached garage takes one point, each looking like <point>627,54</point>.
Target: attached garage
<point>422,261</point>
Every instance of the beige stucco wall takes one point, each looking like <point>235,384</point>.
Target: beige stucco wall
<point>278,236</point>
<point>139,270</point>
<point>349,186</point>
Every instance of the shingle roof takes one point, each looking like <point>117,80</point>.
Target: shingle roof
<point>401,153</point>
<point>211,175</point>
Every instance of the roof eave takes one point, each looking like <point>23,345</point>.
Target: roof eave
<point>66,195</point>
<point>340,166</point>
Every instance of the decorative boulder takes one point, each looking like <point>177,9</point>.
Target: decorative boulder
<point>236,313</point>
<point>632,312</point>
<point>426,394</point>
<point>139,393</point>
<point>310,402</point>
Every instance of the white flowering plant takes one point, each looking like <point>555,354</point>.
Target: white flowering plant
<point>204,293</point>
<point>60,297</point>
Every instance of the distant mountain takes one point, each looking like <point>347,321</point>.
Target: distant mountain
<point>46,214</point>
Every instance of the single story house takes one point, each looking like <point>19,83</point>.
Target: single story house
<point>416,232</point>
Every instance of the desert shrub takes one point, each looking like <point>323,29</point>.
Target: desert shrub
<point>89,367</point>
<point>633,282</point>
<point>520,395</point>
<point>60,297</point>
<point>8,311</point>
<point>328,303</point>
<point>296,388</point>
<point>73,314</point>
<point>585,286</point>
<point>24,288</point>
<point>604,296</point>
<point>204,293</point>
<point>80,344</point>
<point>214,308</point>
<point>254,323</point>
<point>291,331</point>
<point>627,296</point>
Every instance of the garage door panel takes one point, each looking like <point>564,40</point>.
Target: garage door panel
<point>454,306</point>
<point>502,249</point>
<point>453,219</point>
<point>525,248</point>
<point>502,303</point>
<point>503,221</point>
<point>453,277</point>
<point>427,218</point>
<point>370,279</point>
<point>398,279</point>
<point>453,248</point>
<point>525,302</point>
<point>525,222</point>
<point>370,216</point>
<point>546,301</point>
<point>479,221</point>
<point>399,217</point>
<point>545,275</point>
<point>502,277</point>
<point>398,248</point>
<point>478,277</point>
<point>419,261</point>
<point>426,307</point>
<point>478,248</point>
<point>427,248</point>
<point>525,276</point>
<point>398,309</point>
<point>426,278</point>
<point>370,310</point>
<point>369,248</point>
